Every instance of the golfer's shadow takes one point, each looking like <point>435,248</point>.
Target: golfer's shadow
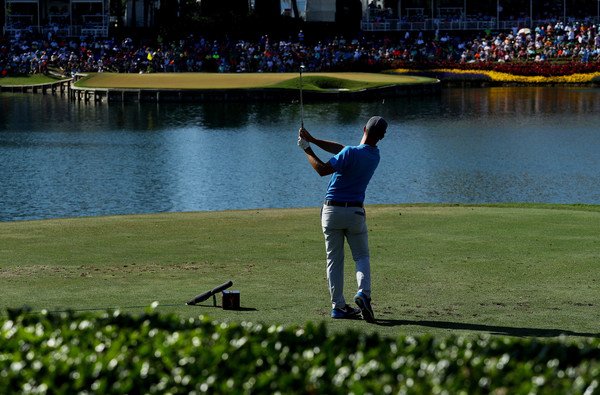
<point>492,329</point>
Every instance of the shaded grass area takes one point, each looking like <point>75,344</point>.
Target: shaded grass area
<point>313,81</point>
<point>516,270</point>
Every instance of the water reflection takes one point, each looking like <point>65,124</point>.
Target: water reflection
<point>63,159</point>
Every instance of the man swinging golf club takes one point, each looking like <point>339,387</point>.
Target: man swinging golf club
<point>343,214</point>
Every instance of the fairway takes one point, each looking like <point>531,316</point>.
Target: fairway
<point>229,80</point>
<point>515,270</point>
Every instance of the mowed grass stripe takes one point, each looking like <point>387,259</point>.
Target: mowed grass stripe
<point>517,270</point>
<point>230,80</point>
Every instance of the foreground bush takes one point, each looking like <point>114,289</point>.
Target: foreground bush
<point>151,353</point>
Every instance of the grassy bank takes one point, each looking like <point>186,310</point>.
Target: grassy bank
<point>517,270</point>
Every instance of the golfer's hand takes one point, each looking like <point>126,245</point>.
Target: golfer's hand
<point>303,133</point>
<point>303,143</point>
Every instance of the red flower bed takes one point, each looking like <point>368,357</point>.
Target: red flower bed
<point>543,69</point>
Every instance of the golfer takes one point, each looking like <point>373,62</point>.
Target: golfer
<point>343,215</point>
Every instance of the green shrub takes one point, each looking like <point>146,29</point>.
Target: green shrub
<point>151,353</point>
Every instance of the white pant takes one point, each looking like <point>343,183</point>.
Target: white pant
<point>349,223</point>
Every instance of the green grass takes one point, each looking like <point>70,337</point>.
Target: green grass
<point>310,81</point>
<point>28,79</point>
<point>516,270</point>
<point>323,84</point>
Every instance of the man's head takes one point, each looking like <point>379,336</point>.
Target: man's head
<point>376,127</point>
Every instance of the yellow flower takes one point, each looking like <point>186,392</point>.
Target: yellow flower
<point>505,77</point>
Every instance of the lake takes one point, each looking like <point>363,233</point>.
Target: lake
<point>478,145</point>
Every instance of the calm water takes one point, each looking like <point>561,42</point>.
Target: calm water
<point>63,159</point>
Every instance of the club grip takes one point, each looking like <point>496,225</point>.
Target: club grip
<point>205,295</point>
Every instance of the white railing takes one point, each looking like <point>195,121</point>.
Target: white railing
<point>388,24</point>
<point>100,30</point>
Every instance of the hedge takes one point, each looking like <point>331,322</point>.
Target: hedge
<point>112,352</point>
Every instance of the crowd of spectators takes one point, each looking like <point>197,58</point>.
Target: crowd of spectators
<point>575,41</point>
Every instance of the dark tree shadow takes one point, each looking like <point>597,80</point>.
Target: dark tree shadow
<point>492,329</point>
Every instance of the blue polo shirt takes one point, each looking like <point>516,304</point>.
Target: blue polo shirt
<point>354,167</point>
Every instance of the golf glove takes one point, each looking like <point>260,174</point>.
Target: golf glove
<point>303,143</point>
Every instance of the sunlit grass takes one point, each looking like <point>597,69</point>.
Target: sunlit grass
<point>310,81</point>
<point>520,270</point>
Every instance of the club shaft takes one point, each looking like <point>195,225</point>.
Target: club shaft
<point>301,102</point>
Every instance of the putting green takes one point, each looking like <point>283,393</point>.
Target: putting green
<point>230,81</point>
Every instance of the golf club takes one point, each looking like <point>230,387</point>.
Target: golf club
<point>301,103</point>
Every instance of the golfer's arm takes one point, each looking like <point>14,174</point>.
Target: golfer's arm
<point>320,167</point>
<point>329,146</point>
